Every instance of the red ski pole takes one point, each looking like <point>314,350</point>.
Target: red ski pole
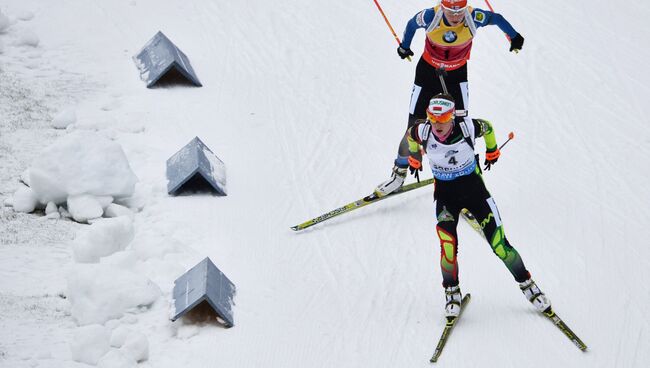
<point>492,10</point>
<point>389,26</point>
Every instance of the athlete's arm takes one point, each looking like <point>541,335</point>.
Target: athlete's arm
<point>416,135</point>
<point>484,18</point>
<point>419,20</point>
<point>483,128</point>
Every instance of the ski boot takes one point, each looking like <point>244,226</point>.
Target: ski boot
<point>395,182</point>
<point>453,296</point>
<point>534,295</point>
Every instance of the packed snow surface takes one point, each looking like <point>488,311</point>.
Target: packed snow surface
<point>305,103</point>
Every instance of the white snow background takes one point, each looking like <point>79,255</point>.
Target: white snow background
<point>305,103</point>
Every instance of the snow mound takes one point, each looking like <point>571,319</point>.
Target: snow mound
<point>64,118</point>
<point>81,162</point>
<point>102,239</point>
<point>24,200</point>
<point>98,293</point>
<point>27,38</point>
<point>89,344</point>
<point>115,359</point>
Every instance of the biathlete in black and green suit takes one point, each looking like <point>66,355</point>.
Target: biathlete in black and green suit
<point>448,143</point>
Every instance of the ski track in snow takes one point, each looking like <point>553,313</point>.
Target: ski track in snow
<point>306,104</point>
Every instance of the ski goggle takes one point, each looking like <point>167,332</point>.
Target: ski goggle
<point>441,118</point>
<point>456,10</point>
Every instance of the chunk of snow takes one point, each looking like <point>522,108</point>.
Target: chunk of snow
<point>98,293</point>
<point>27,38</point>
<point>90,343</point>
<point>51,208</point>
<point>64,118</point>
<point>64,213</point>
<point>137,201</point>
<point>84,207</point>
<point>102,239</point>
<point>116,210</point>
<point>52,211</point>
<point>25,200</point>
<point>116,358</point>
<point>136,346</point>
<point>81,162</point>
<point>119,335</point>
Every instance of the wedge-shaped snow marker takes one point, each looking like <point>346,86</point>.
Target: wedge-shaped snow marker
<point>160,57</point>
<point>204,283</point>
<point>195,167</point>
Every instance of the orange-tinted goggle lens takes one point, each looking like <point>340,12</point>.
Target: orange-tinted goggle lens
<point>442,118</point>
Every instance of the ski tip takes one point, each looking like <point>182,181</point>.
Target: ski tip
<point>295,228</point>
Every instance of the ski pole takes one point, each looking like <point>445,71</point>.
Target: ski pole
<point>489,6</point>
<point>441,72</point>
<point>511,136</point>
<point>389,26</point>
<point>492,10</point>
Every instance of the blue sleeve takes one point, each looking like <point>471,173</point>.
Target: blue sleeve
<point>419,20</point>
<point>484,18</point>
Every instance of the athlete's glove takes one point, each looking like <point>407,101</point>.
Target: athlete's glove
<point>491,158</point>
<point>404,52</point>
<point>516,43</point>
<point>415,164</point>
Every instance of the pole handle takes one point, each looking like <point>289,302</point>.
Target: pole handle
<point>389,26</point>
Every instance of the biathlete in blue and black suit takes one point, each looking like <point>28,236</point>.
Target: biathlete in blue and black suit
<point>450,30</point>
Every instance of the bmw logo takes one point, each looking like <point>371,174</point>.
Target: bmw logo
<point>450,36</point>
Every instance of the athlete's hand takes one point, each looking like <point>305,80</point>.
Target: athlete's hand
<point>491,158</point>
<point>516,43</point>
<point>404,52</point>
<point>415,164</point>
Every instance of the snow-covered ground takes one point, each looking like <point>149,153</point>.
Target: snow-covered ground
<point>305,103</point>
